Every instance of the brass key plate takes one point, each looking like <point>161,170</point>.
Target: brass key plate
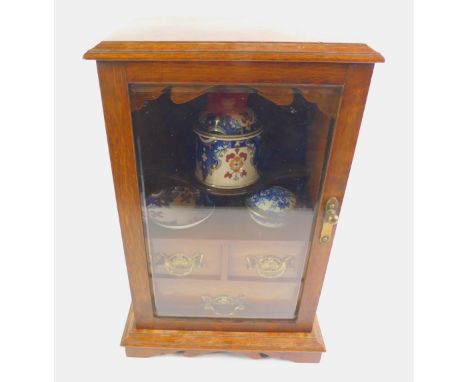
<point>330,219</point>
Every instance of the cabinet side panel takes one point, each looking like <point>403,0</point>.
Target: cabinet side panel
<point>335,180</point>
<point>117,115</point>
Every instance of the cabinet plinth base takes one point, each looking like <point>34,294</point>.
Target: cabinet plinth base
<point>297,347</point>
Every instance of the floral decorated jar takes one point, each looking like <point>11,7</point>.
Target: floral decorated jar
<point>272,207</point>
<point>178,207</point>
<point>228,140</point>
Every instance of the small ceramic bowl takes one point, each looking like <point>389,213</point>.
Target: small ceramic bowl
<point>179,207</point>
<point>271,207</point>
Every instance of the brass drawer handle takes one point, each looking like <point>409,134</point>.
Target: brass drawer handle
<point>330,219</point>
<point>269,266</point>
<point>179,264</point>
<point>224,305</point>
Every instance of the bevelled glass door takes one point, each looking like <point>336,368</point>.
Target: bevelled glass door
<point>230,177</point>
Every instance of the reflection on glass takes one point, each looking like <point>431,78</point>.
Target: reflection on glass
<point>230,177</point>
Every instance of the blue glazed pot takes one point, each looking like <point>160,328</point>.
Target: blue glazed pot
<point>228,142</point>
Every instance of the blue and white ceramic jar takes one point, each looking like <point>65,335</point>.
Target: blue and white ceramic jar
<point>272,207</point>
<point>228,142</point>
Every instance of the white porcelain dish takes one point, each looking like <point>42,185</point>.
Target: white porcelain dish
<point>179,207</point>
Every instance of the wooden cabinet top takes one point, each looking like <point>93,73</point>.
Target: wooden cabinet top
<point>188,39</point>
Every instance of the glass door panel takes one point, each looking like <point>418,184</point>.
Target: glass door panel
<point>230,177</point>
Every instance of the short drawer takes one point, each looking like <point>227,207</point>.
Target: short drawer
<point>186,258</point>
<point>266,259</point>
<point>198,298</point>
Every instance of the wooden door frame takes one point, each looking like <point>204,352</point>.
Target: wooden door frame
<point>115,77</point>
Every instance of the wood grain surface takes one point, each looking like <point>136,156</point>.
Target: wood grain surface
<point>298,347</point>
<point>232,51</point>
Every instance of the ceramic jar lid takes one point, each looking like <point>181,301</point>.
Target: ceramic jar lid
<point>227,114</point>
<point>179,207</point>
<point>271,207</point>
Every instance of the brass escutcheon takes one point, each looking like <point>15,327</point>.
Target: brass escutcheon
<point>179,264</point>
<point>269,266</point>
<point>330,219</point>
<point>223,305</point>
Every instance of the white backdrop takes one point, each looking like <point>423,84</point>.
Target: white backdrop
<point>366,305</point>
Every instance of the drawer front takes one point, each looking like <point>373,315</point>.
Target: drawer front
<point>266,259</point>
<point>186,258</point>
<point>197,298</point>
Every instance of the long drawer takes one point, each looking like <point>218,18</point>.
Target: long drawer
<point>229,299</point>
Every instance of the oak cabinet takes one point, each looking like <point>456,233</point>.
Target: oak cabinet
<point>230,162</point>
